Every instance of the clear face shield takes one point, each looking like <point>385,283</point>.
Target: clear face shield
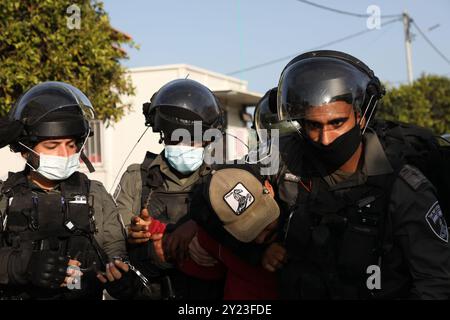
<point>321,94</point>
<point>49,97</point>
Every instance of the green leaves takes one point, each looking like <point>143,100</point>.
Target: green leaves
<point>426,103</point>
<point>37,45</point>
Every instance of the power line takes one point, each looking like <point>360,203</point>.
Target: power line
<point>430,43</point>
<point>315,48</point>
<point>358,15</point>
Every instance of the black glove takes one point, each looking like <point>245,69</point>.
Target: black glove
<point>47,269</point>
<point>125,287</point>
<point>18,263</point>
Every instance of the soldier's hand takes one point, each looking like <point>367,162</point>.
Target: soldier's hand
<point>178,241</point>
<point>274,257</point>
<point>114,271</point>
<point>200,255</point>
<point>138,229</point>
<point>119,283</point>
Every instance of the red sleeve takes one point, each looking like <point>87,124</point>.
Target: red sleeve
<point>190,267</point>
<point>209,244</point>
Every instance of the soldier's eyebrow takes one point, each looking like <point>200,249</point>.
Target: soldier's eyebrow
<point>342,119</point>
<point>51,143</point>
<point>332,121</point>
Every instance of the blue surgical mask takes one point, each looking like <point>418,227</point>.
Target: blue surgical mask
<point>184,159</point>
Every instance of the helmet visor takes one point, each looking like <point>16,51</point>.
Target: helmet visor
<point>307,87</point>
<point>47,97</point>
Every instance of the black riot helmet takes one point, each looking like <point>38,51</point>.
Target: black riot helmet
<point>179,103</point>
<point>266,117</point>
<point>51,110</point>
<point>317,78</point>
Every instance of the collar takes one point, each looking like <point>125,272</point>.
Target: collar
<point>375,159</point>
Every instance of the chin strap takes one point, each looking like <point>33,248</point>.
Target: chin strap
<point>87,162</point>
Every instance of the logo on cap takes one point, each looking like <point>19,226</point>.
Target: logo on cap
<point>239,199</point>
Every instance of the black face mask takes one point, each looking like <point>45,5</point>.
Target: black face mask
<point>334,155</point>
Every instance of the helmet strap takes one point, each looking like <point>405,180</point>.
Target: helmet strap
<point>370,114</point>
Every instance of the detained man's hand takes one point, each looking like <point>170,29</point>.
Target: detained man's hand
<point>177,243</point>
<point>200,255</point>
<point>274,257</point>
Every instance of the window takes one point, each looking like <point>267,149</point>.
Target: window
<point>93,147</point>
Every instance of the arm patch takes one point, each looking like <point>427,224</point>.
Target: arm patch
<point>436,222</point>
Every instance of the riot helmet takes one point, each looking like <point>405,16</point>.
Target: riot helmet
<point>178,104</point>
<point>318,78</point>
<point>51,110</point>
<point>266,117</point>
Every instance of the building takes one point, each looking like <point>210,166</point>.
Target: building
<point>109,147</point>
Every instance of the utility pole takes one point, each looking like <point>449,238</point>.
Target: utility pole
<point>407,28</point>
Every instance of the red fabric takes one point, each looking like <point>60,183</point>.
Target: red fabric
<point>243,281</point>
<point>216,272</point>
<point>156,226</point>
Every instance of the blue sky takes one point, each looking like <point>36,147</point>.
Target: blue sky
<point>229,35</point>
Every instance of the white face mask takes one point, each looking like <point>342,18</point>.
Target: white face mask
<point>56,167</point>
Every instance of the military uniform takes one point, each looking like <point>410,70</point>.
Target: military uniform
<point>339,225</point>
<point>153,185</point>
<point>162,182</point>
<point>41,230</point>
<point>105,226</point>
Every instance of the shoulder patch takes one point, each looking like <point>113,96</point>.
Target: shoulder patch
<point>413,177</point>
<point>436,222</point>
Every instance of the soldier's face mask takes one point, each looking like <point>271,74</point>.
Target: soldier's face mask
<point>56,167</point>
<point>184,159</point>
<point>334,136</point>
<point>335,154</point>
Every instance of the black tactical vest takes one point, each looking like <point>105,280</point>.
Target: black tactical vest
<point>62,222</point>
<point>333,235</point>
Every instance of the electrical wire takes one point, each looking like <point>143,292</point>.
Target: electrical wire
<point>351,36</point>
<point>358,15</point>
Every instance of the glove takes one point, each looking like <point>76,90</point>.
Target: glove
<point>18,262</point>
<point>125,287</point>
<point>47,269</point>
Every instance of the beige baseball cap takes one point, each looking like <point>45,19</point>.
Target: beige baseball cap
<point>242,202</point>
